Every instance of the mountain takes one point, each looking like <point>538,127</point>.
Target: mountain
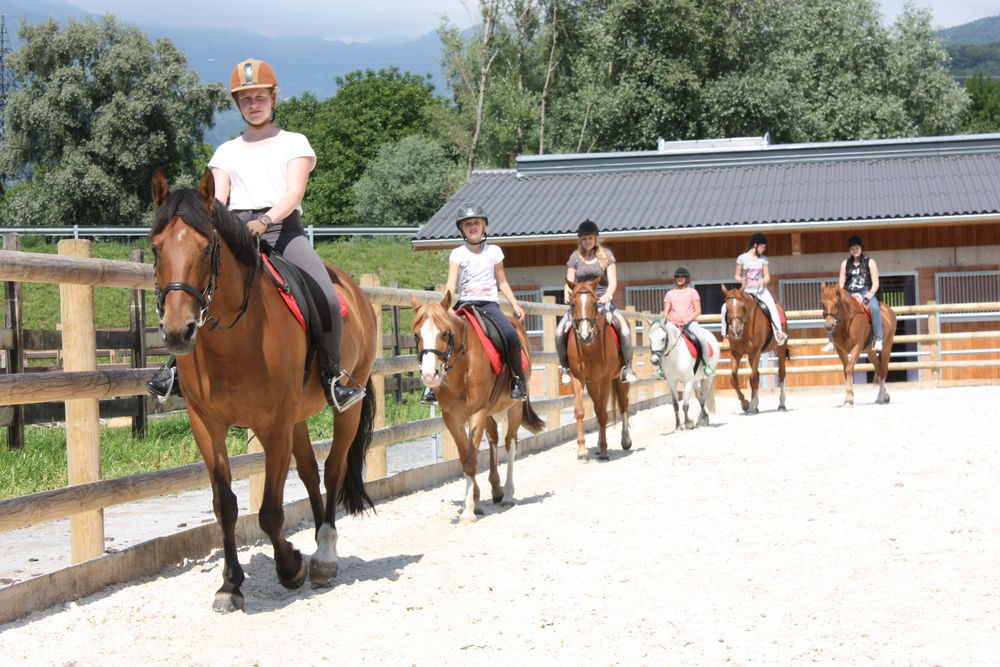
<point>980,31</point>
<point>303,63</point>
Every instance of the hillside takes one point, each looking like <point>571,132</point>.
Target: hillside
<point>980,31</point>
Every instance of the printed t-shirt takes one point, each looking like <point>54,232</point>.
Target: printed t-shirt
<point>476,278</point>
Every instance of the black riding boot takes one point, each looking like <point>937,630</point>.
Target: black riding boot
<point>428,397</point>
<point>164,382</point>
<point>563,356</point>
<point>340,396</point>
<point>518,389</point>
<point>627,373</point>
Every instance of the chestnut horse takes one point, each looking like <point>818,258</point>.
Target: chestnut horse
<point>455,365</point>
<point>246,368</point>
<point>749,333</point>
<point>594,361</point>
<point>852,335</point>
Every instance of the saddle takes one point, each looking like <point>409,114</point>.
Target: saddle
<point>770,319</point>
<point>300,294</point>
<point>694,347</point>
<point>489,335</point>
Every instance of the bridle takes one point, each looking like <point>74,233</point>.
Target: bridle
<point>447,363</point>
<point>731,321</point>
<point>591,320</point>
<point>665,352</point>
<point>204,296</point>
<point>837,317</point>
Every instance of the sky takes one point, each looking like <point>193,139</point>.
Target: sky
<point>390,20</point>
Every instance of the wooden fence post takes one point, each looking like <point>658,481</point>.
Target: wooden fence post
<point>552,418</point>
<point>397,379</point>
<point>14,320</point>
<point>137,322</point>
<point>376,465</point>
<point>83,443</point>
<point>934,329</point>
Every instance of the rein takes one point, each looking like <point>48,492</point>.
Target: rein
<point>205,296</point>
<point>837,317</point>
<point>666,351</point>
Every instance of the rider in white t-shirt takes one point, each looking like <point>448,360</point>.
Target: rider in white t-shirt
<point>476,276</point>
<point>753,273</point>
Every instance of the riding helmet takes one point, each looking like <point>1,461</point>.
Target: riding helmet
<point>587,227</point>
<point>252,73</point>
<point>682,271</point>
<point>758,238</point>
<point>853,241</point>
<point>470,210</point>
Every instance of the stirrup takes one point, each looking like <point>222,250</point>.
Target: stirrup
<point>162,387</point>
<point>709,371</point>
<point>565,377</point>
<point>628,375</point>
<point>877,345</point>
<point>518,390</point>
<point>348,396</point>
<point>829,347</point>
<point>428,397</point>
<point>781,337</point>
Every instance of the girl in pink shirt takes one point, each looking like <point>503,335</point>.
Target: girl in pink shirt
<point>682,306</point>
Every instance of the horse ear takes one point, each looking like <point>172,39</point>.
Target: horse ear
<point>594,283</point>
<point>414,302</point>
<point>446,301</point>
<point>160,187</point>
<point>572,285</point>
<point>206,189</point>
<point>822,286</point>
<point>724,290</point>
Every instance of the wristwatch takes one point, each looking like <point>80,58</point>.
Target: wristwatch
<point>265,220</point>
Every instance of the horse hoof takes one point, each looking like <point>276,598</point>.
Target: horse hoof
<point>583,457</point>
<point>508,502</point>
<point>300,576</point>
<point>497,500</point>
<point>627,445</point>
<point>228,602</point>
<point>603,456</point>
<point>322,574</point>
<point>478,511</point>
<point>689,425</point>
<point>466,518</point>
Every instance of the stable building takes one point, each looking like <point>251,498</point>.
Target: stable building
<point>927,208</point>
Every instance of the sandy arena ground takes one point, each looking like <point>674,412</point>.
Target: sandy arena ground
<point>780,538</point>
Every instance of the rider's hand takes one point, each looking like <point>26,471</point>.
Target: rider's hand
<point>518,312</point>
<point>604,300</point>
<point>256,228</point>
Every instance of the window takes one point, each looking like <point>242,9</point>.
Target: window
<point>969,287</point>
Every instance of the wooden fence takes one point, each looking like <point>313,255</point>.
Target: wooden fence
<point>82,384</point>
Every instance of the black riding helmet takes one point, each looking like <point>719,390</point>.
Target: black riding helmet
<point>587,227</point>
<point>682,271</point>
<point>855,240</point>
<point>757,238</point>
<point>467,211</point>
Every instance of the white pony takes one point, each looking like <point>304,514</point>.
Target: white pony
<point>671,354</point>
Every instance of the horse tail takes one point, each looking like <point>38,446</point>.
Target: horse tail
<point>352,492</point>
<point>530,419</point>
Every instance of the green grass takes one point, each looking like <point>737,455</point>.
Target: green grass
<point>41,465</point>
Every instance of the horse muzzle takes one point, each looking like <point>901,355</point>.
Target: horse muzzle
<point>179,340</point>
<point>432,380</point>
<point>654,359</point>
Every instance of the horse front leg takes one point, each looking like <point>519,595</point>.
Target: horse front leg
<point>308,470</point>
<point>581,441</point>
<point>880,372</point>
<point>753,360</point>
<point>849,359</point>
<point>782,372</point>
<point>737,358</point>
<point>325,562</point>
<point>470,465</point>
<point>677,405</point>
<point>688,386</point>
<point>600,400</point>
<point>288,561</point>
<point>703,387</point>
<point>493,437</point>
<point>211,441</point>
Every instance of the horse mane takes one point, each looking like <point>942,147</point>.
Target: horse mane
<point>438,315</point>
<point>186,204</point>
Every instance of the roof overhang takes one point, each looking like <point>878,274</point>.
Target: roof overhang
<point>718,230</point>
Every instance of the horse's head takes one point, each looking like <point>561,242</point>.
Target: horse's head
<point>737,311</point>
<point>831,304</point>
<point>186,255</point>
<point>435,327</point>
<point>584,309</point>
<point>663,336</point>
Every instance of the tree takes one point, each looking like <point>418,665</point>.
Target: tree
<point>96,110</point>
<point>408,181</point>
<point>984,111</point>
<point>369,110</point>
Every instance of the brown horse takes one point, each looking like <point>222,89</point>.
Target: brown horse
<point>246,368</point>
<point>594,361</point>
<point>852,335</point>
<point>749,333</point>
<point>455,364</point>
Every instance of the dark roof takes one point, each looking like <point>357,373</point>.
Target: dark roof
<point>707,191</point>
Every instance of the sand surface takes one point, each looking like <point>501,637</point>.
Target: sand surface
<point>822,534</point>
